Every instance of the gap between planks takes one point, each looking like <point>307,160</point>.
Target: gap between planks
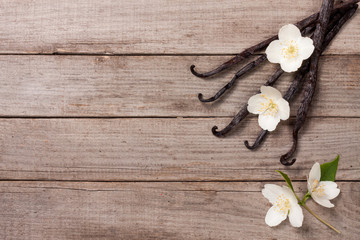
<point>162,181</point>
<point>154,117</point>
<point>93,54</point>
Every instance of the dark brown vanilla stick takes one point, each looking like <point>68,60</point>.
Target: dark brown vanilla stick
<point>310,86</point>
<point>288,95</point>
<point>243,111</point>
<point>248,52</point>
<point>237,59</point>
<point>294,86</point>
<point>311,77</point>
<point>240,73</point>
<point>263,133</point>
<point>336,23</point>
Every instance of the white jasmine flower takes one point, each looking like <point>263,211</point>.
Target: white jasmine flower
<point>284,204</point>
<point>321,191</point>
<point>270,106</point>
<point>291,48</point>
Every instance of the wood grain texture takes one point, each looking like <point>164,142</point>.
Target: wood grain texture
<point>155,86</point>
<point>221,211</point>
<point>124,144</point>
<point>157,26</point>
<point>182,149</point>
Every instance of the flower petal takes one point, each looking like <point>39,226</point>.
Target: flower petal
<point>315,174</point>
<point>330,189</point>
<point>273,217</point>
<point>271,192</point>
<point>271,92</point>
<point>296,215</point>
<point>256,103</point>
<point>306,47</point>
<point>273,52</point>
<point>289,32</point>
<point>322,201</point>
<point>268,122</point>
<point>284,108</point>
<point>309,186</point>
<point>291,65</point>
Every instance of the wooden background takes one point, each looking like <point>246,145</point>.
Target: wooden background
<point>102,135</point>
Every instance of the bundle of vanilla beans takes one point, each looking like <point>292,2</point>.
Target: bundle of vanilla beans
<point>323,27</point>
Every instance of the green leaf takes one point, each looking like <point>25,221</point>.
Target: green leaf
<point>287,180</point>
<point>328,170</point>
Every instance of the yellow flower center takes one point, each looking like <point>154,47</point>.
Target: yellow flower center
<point>270,108</point>
<point>282,204</point>
<point>319,189</point>
<point>290,49</point>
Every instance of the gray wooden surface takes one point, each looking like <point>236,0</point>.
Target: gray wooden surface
<point>102,135</point>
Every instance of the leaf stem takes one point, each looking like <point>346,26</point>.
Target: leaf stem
<point>320,219</point>
<point>306,197</point>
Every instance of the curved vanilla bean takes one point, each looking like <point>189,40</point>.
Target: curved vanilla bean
<point>236,120</point>
<point>258,140</point>
<point>288,95</point>
<point>237,59</point>
<point>241,72</point>
<point>311,77</point>
<point>250,51</point>
<point>243,111</point>
<point>247,52</point>
<point>244,70</point>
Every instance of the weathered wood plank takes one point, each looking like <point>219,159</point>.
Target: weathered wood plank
<point>156,26</point>
<point>168,149</point>
<point>155,86</point>
<point>54,210</point>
